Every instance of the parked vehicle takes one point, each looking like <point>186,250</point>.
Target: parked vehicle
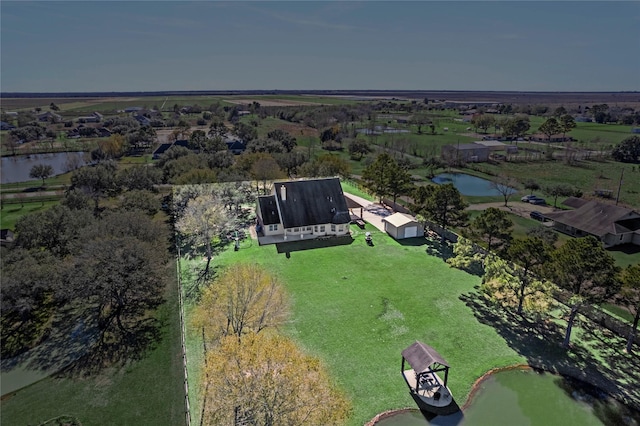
<point>526,198</point>
<point>537,201</point>
<point>536,215</point>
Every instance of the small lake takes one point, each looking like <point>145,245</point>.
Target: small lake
<point>17,168</point>
<point>467,184</point>
<point>524,397</point>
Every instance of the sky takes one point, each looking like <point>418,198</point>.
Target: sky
<point>98,46</point>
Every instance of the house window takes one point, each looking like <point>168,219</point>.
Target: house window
<point>333,228</point>
<point>296,229</point>
<point>321,228</point>
<point>340,228</point>
<point>315,228</point>
<point>273,227</point>
<point>308,228</point>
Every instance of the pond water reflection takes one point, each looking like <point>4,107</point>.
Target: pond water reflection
<point>467,184</point>
<point>524,397</point>
<point>17,168</point>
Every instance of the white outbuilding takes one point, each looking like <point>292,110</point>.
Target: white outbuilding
<point>401,225</point>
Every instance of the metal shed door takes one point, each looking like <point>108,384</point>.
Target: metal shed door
<point>410,231</point>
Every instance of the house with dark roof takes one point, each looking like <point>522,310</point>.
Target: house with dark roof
<point>235,144</point>
<point>613,225</point>
<point>302,209</point>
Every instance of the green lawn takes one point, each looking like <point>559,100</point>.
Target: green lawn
<point>357,307</point>
<point>145,392</point>
<point>10,213</point>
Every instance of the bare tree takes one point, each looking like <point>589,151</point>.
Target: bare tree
<point>505,185</point>
<point>245,298</point>
<point>203,218</point>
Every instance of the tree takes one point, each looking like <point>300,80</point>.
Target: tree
<point>284,138</point>
<point>502,282</point>
<point>532,185</point>
<point>359,148</point>
<point>56,230</point>
<point>218,128</point>
<point>29,280</point>
<point>122,278</point>
<point>483,121</point>
<point>420,119</point>
<point>203,218</point>
<point>566,122</point>
<point>630,298</point>
<point>505,185</point>
<point>140,199</point>
<point>444,206</point>
<point>515,127</point>
<point>493,227</point>
<point>265,168</point>
<point>549,128</point>
<point>560,111</point>
<point>627,151</point>
<point>98,181</point>
<point>245,298</point>
<point>600,113</point>
<point>265,380</point>
<point>560,190</point>
<point>41,171</point>
<point>386,177</point>
<point>586,271</point>
<point>542,232</point>
<point>54,107</point>
<point>326,165</point>
<point>530,254</point>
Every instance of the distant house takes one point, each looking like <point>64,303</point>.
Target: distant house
<point>613,225</point>
<point>50,117</point>
<point>302,209</point>
<point>402,225</point>
<point>582,119</point>
<point>235,144</point>
<point>466,153</point>
<point>133,109</point>
<point>103,132</point>
<point>493,145</point>
<point>144,121</point>
<point>636,130</point>
<point>161,150</point>
<point>6,237</point>
<point>6,126</point>
<point>95,117</point>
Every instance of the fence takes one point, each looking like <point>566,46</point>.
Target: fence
<point>182,340</point>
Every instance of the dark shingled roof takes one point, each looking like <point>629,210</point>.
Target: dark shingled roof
<point>421,357</point>
<point>599,219</point>
<point>575,202</point>
<point>269,209</point>
<point>311,202</point>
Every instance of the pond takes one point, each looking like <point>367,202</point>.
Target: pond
<point>467,184</point>
<point>525,397</point>
<point>17,168</point>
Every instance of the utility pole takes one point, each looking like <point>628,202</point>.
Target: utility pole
<point>619,187</point>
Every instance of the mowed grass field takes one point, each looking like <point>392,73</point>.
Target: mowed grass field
<point>357,307</point>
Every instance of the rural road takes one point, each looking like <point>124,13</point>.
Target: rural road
<point>516,207</point>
